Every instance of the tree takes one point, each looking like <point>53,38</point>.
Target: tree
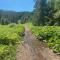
<point>45,12</point>
<point>40,12</point>
<point>7,17</point>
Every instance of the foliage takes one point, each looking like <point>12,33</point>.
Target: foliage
<point>48,34</point>
<point>45,12</point>
<point>7,52</point>
<point>40,12</point>
<point>7,17</point>
<point>10,36</point>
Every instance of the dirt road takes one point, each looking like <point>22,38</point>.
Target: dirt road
<point>33,49</point>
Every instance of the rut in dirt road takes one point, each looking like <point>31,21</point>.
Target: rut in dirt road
<point>32,49</point>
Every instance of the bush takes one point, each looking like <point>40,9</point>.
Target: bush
<point>48,34</point>
<point>10,36</point>
<point>7,52</point>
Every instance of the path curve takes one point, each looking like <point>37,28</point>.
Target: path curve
<point>32,49</point>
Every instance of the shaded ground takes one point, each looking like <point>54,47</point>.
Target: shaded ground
<point>32,49</point>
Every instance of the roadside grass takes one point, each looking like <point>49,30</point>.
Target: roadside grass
<point>48,34</point>
<point>10,37</point>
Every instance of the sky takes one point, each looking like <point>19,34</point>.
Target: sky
<point>17,5</point>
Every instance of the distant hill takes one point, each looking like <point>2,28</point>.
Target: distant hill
<point>7,17</point>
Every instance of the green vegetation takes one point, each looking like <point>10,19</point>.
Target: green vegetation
<point>10,36</point>
<point>48,34</point>
<point>46,12</point>
<point>46,22</point>
<point>7,17</point>
<point>45,19</point>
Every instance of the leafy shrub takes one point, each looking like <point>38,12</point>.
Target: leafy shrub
<point>12,25</point>
<point>7,52</point>
<point>10,35</point>
<point>48,34</point>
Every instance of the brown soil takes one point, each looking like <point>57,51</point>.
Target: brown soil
<point>33,49</point>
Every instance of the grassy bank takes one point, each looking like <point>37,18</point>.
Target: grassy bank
<point>10,36</point>
<point>48,34</point>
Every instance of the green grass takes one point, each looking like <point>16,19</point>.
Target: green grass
<point>7,52</point>
<point>48,34</point>
<point>10,36</point>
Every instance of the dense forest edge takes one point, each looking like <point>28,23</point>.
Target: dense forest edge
<point>43,21</point>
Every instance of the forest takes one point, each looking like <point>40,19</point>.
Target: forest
<point>7,17</point>
<point>43,22</point>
